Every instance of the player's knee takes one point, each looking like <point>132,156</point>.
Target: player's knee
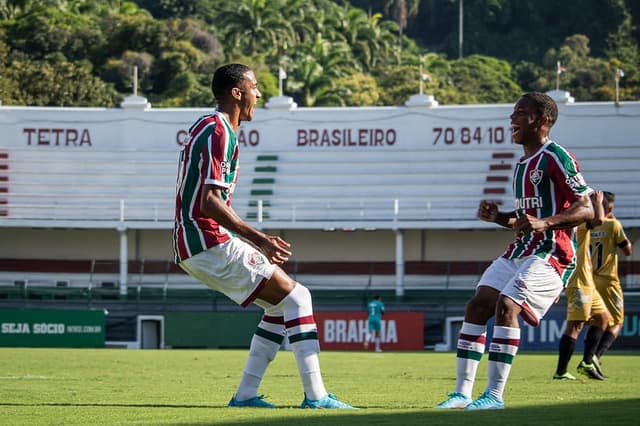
<point>601,320</point>
<point>301,293</point>
<point>298,302</point>
<point>573,328</point>
<point>479,311</point>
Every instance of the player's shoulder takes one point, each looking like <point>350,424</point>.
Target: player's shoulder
<point>555,148</point>
<point>611,223</point>
<point>204,125</point>
<point>616,222</point>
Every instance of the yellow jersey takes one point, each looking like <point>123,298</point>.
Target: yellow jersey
<point>604,249</point>
<point>582,276</point>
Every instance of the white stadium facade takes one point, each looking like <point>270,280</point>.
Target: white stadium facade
<point>373,199</point>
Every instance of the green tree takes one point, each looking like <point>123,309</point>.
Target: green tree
<point>316,68</point>
<point>138,32</point>
<point>370,39</point>
<point>57,82</point>
<point>165,9</point>
<point>482,79</point>
<point>8,86</point>
<point>399,82</point>
<point>401,10</point>
<point>586,77</point>
<point>12,9</point>
<point>253,27</point>
<point>358,89</point>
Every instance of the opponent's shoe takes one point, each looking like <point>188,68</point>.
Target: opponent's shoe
<point>330,401</point>
<point>598,365</point>
<point>455,400</point>
<point>590,371</point>
<point>256,402</point>
<point>565,376</point>
<point>486,402</point>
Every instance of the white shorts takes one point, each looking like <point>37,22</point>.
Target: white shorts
<point>234,268</point>
<point>530,282</point>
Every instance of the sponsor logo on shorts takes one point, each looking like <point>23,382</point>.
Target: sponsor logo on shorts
<point>520,285</point>
<point>256,259</point>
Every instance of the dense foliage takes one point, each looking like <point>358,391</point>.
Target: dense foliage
<point>334,53</point>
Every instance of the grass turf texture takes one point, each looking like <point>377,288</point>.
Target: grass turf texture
<point>193,387</point>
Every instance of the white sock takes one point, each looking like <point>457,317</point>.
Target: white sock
<point>471,344</point>
<point>303,336</point>
<point>264,347</point>
<point>502,350</point>
<point>309,369</point>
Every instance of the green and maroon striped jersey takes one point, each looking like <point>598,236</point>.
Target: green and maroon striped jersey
<point>544,185</point>
<point>210,157</point>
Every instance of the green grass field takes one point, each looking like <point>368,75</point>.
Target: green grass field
<point>192,387</point>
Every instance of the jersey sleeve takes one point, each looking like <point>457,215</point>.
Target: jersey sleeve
<point>618,233</point>
<point>216,165</point>
<point>568,178</point>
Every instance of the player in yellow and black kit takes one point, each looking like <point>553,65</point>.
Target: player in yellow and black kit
<point>606,239</point>
<point>584,305</point>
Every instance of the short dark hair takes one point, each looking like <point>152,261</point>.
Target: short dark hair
<point>226,78</point>
<point>544,105</point>
<point>608,198</point>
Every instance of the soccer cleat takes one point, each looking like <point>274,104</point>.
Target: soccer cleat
<point>598,366</point>
<point>486,402</point>
<point>565,376</point>
<point>256,402</point>
<point>455,400</point>
<point>329,401</point>
<point>590,371</point>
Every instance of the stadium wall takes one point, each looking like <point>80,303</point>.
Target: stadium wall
<point>347,187</point>
<point>339,183</point>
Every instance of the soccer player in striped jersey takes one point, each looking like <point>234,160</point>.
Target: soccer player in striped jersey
<point>551,199</point>
<point>207,245</point>
<point>606,239</point>
<point>584,305</point>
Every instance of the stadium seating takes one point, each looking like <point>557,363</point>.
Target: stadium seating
<point>125,181</point>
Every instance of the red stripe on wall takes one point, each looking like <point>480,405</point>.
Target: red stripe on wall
<point>503,155</point>
<point>494,191</point>
<point>500,167</point>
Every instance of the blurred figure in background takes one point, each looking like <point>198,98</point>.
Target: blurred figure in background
<point>606,239</point>
<point>584,305</point>
<point>375,310</point>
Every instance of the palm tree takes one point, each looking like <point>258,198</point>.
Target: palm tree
<point>10,9</point>
<point>316,67</point>
<point>401,10</point>
<point>253,26</point>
